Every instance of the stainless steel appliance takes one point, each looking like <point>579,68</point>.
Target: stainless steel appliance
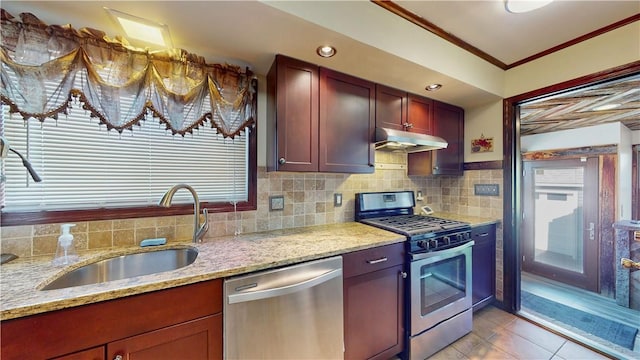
<point>439,267</point>
<point>288,313</point>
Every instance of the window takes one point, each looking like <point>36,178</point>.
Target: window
<point>100,174</point>
<point>90,173</point>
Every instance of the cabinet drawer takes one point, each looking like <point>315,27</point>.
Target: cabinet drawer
<point>364,261</point>
<point>483,233</point>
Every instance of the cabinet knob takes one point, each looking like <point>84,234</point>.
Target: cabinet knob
<point>282,161</point>
<point>436,168</point>
<point>403,274</point>
<point>408,125</point>
<point>118,357</point>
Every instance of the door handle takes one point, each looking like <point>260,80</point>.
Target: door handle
<point>629,264</point>
<point>592,231</point>
<point>377,261</point>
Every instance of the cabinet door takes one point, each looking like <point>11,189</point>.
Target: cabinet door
<point>292,115</point>
<point>420,114</point>
<point>373,310</point>
<point>448,123</point>
<point>197,339</point>
<point>483,265</point>
<point>96,353</point>
<point>391,108</point>
<point>347,123</point>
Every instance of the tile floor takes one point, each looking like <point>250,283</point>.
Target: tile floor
<point>500,335</point>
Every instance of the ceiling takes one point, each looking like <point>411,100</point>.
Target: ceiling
<point>215,30</point>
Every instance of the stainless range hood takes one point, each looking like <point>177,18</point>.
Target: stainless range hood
<point>390,140</point>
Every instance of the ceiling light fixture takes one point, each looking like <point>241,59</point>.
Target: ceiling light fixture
<point>433,87</point>
<point>142,29</point>
<point>326,51</point>
<point>606,107</point>
<point>522,6</point>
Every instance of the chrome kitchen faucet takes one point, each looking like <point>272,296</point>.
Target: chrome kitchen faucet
<point>198,230</point>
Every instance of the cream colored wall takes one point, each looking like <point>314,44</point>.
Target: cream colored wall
<point>609,50</point>
<point>614,48</point>
<point>398,37</point>
<point>485,120</point>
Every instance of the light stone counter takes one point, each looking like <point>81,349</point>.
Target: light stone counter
<point>473,220</point>
<point>217,258</point>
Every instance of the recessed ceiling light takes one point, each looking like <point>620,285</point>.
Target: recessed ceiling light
<point>142,29</point>
<point>433,87</point>
<point>326,51</point>
<point>521,6</point>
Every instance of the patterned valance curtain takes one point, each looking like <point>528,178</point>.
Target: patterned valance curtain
<point>116,83</point>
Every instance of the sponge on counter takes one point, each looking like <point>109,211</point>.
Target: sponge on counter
<point>153,242</point>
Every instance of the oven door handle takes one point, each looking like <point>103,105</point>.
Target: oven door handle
<point>441,253</point>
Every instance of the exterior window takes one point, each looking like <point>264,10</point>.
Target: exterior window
<point>85,167</point>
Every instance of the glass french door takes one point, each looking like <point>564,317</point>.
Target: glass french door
<point>560,224</point>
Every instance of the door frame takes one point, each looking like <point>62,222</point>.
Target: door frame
<point>512,173</point>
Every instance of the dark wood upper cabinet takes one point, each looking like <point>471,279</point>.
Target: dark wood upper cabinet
<point>391,108</point>
<point>292,115</point>
<point>447,123</point>
<point>399,110</point>
<point>420,114</point>
<point>318,119</point>
<point>347,123</point>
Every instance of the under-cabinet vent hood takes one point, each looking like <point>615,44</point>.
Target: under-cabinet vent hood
<point>390,140</point>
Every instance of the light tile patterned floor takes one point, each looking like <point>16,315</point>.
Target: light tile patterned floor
<point>500,335</point>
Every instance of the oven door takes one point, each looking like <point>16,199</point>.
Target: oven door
<point>440,286</point>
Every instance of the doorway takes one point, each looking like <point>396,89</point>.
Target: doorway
<point>516,285</point>
<point>560,232</point>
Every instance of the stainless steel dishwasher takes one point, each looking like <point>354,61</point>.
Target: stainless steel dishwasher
<point>293,312</point>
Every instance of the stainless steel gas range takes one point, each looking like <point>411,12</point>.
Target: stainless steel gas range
<point>439,267</point>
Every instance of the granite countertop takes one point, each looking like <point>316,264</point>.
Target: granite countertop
<point>217,258</point>
<point>473,220</point>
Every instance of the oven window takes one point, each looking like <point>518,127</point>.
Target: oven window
<point>442,283</point>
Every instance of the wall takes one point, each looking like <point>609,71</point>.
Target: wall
<point>484,120</point>
<point>609,50</point>
<point>308,201</point>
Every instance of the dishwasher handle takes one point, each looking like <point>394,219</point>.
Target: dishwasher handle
<point>284,290</point>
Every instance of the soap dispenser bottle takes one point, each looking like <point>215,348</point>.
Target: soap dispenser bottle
<point>66,251</point>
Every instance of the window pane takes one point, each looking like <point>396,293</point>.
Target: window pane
<point>85,166</point>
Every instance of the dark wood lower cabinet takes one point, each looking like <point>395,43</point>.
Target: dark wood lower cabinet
<point>178,323</point>
<point>484,265</point>
<point>96,353</point>
<point>197,339</point>
<point>374,303</point>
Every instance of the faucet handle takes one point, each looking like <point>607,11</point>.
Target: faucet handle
<point>204,227</point>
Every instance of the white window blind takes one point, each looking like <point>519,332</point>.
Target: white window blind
<point>84,166</point>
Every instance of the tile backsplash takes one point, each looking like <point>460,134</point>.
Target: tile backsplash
<point>308,200</point>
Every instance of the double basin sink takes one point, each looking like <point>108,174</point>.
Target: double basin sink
<point>125,266</point>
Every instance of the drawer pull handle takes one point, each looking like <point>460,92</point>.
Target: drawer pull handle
<point>376,261</point>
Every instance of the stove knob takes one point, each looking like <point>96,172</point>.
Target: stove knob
<point>446,240</point>
<point>467,235</point>
<point>459,237</point>
<point>423,244</point>
<point>433,244</point>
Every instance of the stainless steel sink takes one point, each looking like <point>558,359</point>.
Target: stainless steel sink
<point>125,266</point>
